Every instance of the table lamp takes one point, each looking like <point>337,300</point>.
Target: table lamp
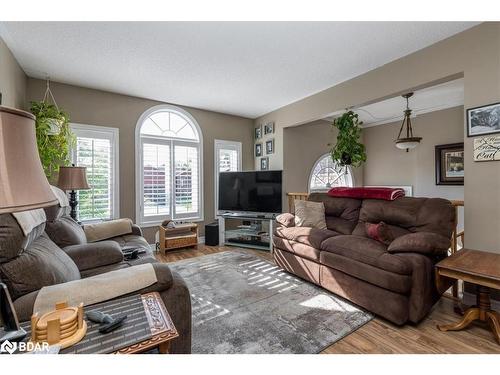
<point>73,178</point>
<point>23,186</point>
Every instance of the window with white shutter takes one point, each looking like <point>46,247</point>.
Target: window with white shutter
<point>169,164</point>
<point>227,159</point>
<point>96,148</point>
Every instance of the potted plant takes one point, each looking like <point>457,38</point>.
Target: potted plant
<point>53,146</point>
<point>348,150</point>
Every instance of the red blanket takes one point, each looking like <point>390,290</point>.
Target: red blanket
<point>388,194</point>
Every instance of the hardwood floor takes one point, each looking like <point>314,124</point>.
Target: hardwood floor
<point>380,336</point>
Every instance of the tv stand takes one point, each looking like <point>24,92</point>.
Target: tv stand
<point>254,231</point>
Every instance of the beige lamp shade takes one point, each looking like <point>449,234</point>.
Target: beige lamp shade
<point>73,178</point>
<point>23,185</point>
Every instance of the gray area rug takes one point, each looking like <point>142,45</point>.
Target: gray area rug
<point>245,304</point>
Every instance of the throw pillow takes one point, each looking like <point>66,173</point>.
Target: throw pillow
<point>379,232</point>
<point>310,214</point>
<point>420,242</point>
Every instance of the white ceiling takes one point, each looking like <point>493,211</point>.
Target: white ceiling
<point>241,68</point>
<point>435,98</point>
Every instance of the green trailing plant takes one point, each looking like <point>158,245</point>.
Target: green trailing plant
<point>348,150</point>
<point>54,147</point>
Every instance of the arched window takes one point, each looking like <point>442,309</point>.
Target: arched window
<point>327,174</point>
<point>169,168</point>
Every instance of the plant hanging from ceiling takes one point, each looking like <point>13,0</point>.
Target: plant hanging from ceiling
<point>53,135</point>
<point>348,150</point>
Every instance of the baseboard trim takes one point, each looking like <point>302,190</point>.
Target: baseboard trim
<point>470,299</point>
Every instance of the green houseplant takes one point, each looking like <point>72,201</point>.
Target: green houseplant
<point>54,137</point>
<point>348,150</point>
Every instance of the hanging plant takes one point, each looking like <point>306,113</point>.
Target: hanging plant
<point>53,147</point>
<point>348,150</point>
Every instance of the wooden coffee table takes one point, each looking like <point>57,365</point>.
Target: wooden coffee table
<point>477,267</point>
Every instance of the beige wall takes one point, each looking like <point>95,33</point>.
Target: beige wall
<point>473,54</point>
<point>12,79</point>
<point>303,146</point>
<point>94,107</point>
<point>387,165</point>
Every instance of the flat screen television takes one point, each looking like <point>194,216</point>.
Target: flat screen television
<point>256,191</point>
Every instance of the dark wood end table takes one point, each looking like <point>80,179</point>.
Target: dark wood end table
<point>477,267</point>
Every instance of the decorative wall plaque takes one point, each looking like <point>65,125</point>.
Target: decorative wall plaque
<point>487,148</point>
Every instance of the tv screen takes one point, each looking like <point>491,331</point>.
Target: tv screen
<point>258,191</point>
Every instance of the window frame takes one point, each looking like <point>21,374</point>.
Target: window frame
<point>229,145</point>
<point>311,175</point>
<point>149,221</point>
<point>113,135</point>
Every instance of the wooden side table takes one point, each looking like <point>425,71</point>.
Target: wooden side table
<point>477,267</point>
<point>183,235</point>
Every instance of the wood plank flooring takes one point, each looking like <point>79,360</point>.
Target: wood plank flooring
<point>380,336</point>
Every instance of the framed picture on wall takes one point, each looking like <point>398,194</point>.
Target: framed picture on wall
<point>269,128</point>
<point>270,147</point>
<point>449,161</point>
<point>258,132</point>
<point>483,120</point>
<point>258,150</point>
<point>264,164</point>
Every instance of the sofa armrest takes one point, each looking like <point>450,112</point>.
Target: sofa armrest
<point>426,243</point>
<point>137,230</point>
<point>286,220</point>
<point>97,254</point>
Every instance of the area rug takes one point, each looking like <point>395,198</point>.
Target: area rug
<point>245,304</point>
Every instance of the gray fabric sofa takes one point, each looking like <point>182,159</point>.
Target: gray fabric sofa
<point>28,263</point>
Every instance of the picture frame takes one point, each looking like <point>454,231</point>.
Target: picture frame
<point>258,132</point>
<point>483,120</point>
<point>449,160</point>
<point>264,164</point>
<point>269,128</point>
<point>270,146</point>
<point>258,150</point>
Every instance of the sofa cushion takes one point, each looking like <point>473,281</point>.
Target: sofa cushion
<point>366,250</point>
<point>341,214</point>
<point>388,280</point>
<point>41,264</point>
<point>131,241</point>
<point>309,214</point>
<point>65,232</point>
<point>308,236</point>
<point>297,248</point>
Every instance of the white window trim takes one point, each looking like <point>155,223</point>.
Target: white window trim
<point>113,134</point>
<point>140,219</point>
<point>312,172</point>
<point>223,144</point>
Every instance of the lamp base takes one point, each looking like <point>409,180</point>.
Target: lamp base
<point>73,202</point>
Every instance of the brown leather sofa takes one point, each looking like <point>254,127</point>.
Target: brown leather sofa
<point>28,263</point>
<point>395,281</point>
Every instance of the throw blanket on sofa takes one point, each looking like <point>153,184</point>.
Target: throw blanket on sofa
<point>95,289</point>
<point>388,194</point>
<point>61,196</point>
<point>29,220</point>
<point>107,229</point>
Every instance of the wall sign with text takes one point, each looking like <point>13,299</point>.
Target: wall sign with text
<point>487,148</point>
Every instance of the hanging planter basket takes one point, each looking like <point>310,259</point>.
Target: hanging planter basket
<point>348,151</point>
